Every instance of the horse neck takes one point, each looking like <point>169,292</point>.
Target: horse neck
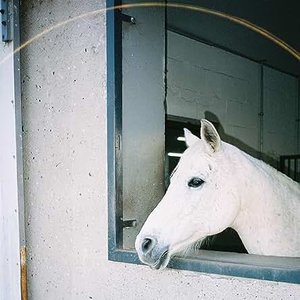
<point>268,201</point>
<point>256,178</point>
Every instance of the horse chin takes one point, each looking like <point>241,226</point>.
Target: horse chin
<point>162,262</point>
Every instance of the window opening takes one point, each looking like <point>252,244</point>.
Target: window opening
<point>119,66</point>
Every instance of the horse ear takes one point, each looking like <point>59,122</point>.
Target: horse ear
<point>190,138</point>
<point>210,136</point>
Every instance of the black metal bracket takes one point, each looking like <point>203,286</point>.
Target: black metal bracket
<point>5,21</point>
<point>128,19</point>
<point>129,223</point>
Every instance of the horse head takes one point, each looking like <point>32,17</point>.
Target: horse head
<point>200,200</point>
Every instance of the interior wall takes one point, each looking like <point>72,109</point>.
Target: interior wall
<point>204,81</point>
<point>64,113</point>
<point>281,115</point>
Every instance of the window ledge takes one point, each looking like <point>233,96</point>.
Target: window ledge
<point>283,269</point>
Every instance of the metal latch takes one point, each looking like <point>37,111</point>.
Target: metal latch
<point>5,21</point>
<point>129,223</point>
<point>128,19</point>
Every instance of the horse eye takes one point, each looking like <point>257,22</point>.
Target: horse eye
<point>195,182</point>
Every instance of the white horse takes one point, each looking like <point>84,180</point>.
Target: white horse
<point>216,186</point>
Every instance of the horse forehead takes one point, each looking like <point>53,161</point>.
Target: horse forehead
<point>194,157</point>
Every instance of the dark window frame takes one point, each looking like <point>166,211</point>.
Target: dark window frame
<point>236,265</point>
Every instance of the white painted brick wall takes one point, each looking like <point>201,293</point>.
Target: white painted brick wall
<point>280,119</point>
<point>204,78</point>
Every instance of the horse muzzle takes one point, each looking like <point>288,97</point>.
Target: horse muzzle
<point>152,253</point>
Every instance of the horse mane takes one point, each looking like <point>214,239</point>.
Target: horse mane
<point>269,171</point>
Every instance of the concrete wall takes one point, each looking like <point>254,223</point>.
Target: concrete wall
<point>204,81</point>
<point>64,111</point>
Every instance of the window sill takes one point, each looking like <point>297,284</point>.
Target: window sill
<point>283,269</point>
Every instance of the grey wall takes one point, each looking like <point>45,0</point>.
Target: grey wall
<point>143,116</point>
<point>204,79</point>
<point>280,20</point>
<point>64,111</point>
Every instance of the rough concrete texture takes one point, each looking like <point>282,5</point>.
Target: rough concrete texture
<point>64,111</point>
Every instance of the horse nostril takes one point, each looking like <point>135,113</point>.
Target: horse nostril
<point>147,245</point>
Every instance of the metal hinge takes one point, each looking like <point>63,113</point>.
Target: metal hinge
<point>5,21</point>
<point>118,142</point>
